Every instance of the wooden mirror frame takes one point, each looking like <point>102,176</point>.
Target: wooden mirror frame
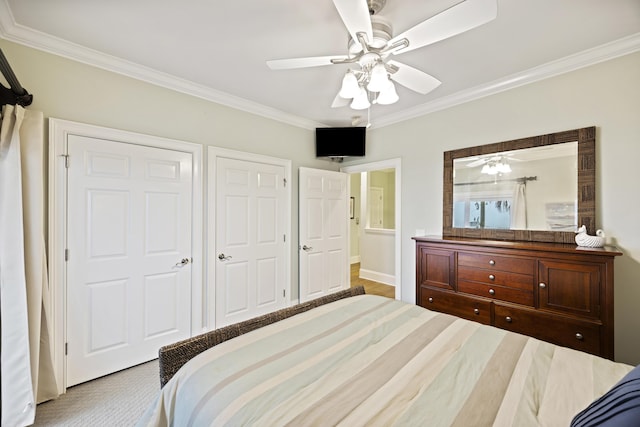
<point>586,191</point>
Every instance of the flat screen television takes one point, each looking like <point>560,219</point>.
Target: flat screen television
<point>340,141</point>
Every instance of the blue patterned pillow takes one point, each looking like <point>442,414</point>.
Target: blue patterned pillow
<point>619,407</point>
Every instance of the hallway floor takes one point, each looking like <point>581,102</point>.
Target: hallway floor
<point>370,287</point>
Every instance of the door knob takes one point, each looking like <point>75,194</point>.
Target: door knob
<point>223,257</point>
<point>306,248</point>
<point>182,262</point>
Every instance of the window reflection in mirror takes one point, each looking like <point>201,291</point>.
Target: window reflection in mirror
<point>482,213</point>
<point>532,188</point>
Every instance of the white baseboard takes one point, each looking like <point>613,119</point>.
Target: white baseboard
<point>387,279</point>
<point>355,259</point>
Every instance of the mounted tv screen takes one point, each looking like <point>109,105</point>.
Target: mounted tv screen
<point>340,142</point>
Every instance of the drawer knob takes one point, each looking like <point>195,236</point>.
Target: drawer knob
<point>579,336</point>
<point>492,262</point>
<point>492,277</point>
<point>542,285</point>
<point>508,319</point>
<point>430,299</point>
<point>476,311</point>
<point>492,292</point>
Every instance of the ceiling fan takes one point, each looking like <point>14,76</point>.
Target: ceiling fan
<point>492,164</point>
<point>503,157</point>
<point>371,43</point>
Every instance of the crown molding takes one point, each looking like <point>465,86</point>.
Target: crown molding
<point>12,31</point>
<point>602,53</point>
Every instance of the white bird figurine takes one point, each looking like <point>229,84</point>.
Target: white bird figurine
<point>583,239</point>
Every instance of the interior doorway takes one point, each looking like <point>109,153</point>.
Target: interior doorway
<point>375,246</point>
<point>323,232</point>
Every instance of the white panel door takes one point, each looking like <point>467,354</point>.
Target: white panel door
<point>376,207</point>
<point>129,242</point>
<point>323,221</point>
<point>250,239</point>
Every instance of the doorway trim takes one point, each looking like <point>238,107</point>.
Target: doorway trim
<point>397,165</point>
<point>59,130</point>
<point>210,251</point>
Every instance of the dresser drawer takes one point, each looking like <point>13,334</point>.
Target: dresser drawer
<point>560,330</point>
<point>502,263</point>
<point>501,293</point>
<point>496,277</point>
<point>475,309</point>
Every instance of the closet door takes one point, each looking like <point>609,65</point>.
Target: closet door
<point>251,219</point>
<point>129,254</point>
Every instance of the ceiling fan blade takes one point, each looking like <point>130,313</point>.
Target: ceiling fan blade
<point>355,15</point>
<point>509,157</point>
<point>315,61</point>
<point>413,78</point>
<point>477,163</point>
<point>339,101</point>
<point>455,20</point>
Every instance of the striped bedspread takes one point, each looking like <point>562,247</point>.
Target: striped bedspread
<point>369,360</point>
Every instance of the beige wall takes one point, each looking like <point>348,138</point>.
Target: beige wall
<point>73,91</point>
<point>605,95</point>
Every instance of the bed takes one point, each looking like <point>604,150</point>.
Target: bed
<point>355,359</point>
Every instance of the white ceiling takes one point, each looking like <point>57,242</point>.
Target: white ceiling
<point>217,49</point>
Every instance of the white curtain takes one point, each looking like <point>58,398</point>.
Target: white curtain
<point>519,208</point>
<point>26,350</point>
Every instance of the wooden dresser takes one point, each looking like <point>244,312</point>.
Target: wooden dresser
<point>555,292</point>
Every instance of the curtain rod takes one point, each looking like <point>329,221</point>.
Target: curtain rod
<point>523,180</point>
<point>17,94</point>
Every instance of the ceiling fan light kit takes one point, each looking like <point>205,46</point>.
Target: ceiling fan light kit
<point>378,78</point>
<point>371,44</point>
<point>495,168</point>
<point>388,95</point>
<point>361,100</point>
<point>350,87</point>
<point>371,83</point>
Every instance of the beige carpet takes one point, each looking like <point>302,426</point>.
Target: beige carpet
<point>119,399</point>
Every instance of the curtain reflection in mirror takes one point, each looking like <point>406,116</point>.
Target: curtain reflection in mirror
<point>519,207</point>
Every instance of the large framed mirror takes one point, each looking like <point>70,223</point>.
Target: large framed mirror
<point>539,189</point>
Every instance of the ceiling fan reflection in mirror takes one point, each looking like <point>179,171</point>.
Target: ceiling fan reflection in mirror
<point>483,161</point>
<point>371,44</point>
